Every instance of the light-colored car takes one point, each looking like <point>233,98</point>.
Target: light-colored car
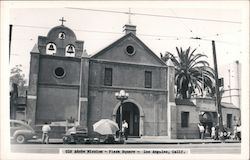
<point>21,132</point>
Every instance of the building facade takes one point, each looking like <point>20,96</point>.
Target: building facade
<point>66,85</point>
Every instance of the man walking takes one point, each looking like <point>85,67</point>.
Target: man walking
<point>45,137</point>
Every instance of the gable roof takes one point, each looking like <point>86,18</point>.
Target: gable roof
<point>123,38</point>
<point>187,102</point>
<point>228,105</point>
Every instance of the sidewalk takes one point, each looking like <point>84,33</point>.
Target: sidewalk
<point>174,141</point>
<point>149,140</point>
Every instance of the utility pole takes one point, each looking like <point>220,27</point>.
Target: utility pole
<point>218,97</point>
<point>10,35</point>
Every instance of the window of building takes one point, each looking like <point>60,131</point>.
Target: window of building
<point>184,119</point>
<point>229,120</point>
<point>108,77</point>
<point>148,79</point>
<point>51,48</point>
<point>130,50</point>
<point>70,50</point>
<point>61,35</point>
<point>59,72</point>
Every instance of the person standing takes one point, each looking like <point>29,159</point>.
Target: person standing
<point>201,129</point>
<point>207,133</point>
<point>125,129</point>
<point>213,133</point>
<point>45,137</point>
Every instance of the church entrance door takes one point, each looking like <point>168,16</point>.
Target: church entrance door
<point>130,113</point>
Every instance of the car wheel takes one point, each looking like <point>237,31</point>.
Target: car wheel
<point>20,139</point>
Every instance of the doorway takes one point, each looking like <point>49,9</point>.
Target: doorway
<point>208,120</point>
<point>131,114</point>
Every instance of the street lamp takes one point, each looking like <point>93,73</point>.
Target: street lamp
<point>121,96</point>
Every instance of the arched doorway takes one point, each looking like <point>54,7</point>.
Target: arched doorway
<point>208,119</point>
<point>131,114</point>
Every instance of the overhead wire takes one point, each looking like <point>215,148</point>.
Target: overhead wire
<point>157,15</point>
<point>150,35</point>
<point>145,14</point>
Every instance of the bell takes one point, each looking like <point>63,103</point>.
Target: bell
<point>51,47</point>
<point>70,49</point>
<point>62,36</point>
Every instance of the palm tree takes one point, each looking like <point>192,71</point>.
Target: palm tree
<point>191,73</point>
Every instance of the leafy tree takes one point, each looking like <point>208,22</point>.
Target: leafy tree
<point>191,72</point>
<point>17,76</point>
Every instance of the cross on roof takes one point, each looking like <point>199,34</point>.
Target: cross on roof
<point>63,20</point>
<point>129,16</point>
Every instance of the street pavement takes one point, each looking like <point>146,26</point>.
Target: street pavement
<point>153,140</point>
<point>194,146</point>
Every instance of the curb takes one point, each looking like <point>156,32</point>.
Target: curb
<point>59,141</point>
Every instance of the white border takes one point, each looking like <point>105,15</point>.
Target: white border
<point>6,5</point>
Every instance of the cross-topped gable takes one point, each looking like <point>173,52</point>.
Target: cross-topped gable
<point>129,49</point>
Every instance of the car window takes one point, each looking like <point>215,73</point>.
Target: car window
<point>17,125</point>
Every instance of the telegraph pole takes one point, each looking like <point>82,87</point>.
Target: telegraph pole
<point>10,36</point>
<point>218,97</point>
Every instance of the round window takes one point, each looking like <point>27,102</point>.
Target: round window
<point>130,50</point>
<point>59,72</point>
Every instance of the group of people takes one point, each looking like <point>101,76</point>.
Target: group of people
<point>204,131</point>
<point>215,134</point>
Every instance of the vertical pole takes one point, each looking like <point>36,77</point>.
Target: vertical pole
<point>80,94</point>
<point>121,120</point>
<point>217,88</point>
<point>10,35</point>
<point>203,88</point>
<point>229,86</point>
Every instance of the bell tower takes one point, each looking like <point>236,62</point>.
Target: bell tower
<point>58,79</point>
<point>60,41</point>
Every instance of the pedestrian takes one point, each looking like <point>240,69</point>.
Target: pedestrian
<point>238,132</point>
<point>125,129</point>
<point>217,132</point>
<point>45,137</point>
<point>201,129</point>
<point>213,133</point>
<point>207,133</point>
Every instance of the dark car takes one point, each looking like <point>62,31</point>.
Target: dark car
<point>21,132</point>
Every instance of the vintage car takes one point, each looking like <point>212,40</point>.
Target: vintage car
<point>21,132</point>
<point>75,136</point>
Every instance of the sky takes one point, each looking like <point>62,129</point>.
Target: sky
<point>161,27</point>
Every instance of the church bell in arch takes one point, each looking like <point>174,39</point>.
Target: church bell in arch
<point>51,47</point>
<point>70,49</point>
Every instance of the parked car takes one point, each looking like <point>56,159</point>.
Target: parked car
<point>21,132</point>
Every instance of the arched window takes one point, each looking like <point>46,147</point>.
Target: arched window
<point>51,48</point>
<point>70,50</point>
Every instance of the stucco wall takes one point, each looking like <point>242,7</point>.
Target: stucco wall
<point>102,103</point>
<point>47,67</point>
<point>235,116</point>
<point>56,104</point>
<point>127,75</point>
<point>192,130</point>
<point>57,98</point>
